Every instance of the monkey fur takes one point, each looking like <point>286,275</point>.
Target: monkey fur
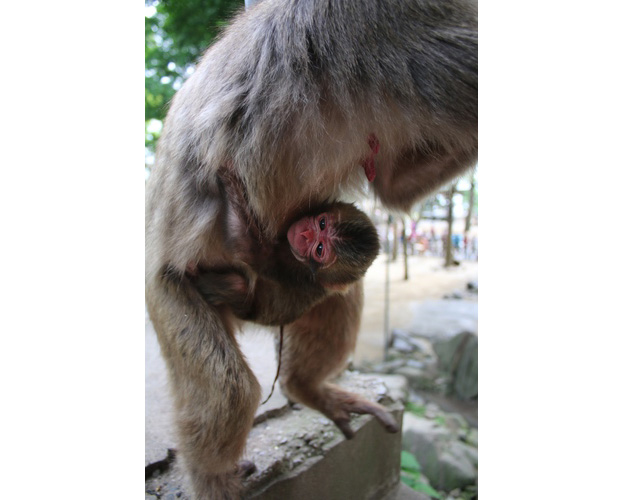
<point>288,98</point>
<point>284,288</point>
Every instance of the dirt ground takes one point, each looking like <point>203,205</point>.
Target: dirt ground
<point>428,279</point>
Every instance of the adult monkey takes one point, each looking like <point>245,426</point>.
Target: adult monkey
<point>294,97</point>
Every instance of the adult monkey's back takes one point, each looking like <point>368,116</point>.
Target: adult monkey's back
<point>292,98</point>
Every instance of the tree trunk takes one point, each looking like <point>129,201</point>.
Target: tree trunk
<point>387,293</point>
<point>404,235</point>
<point>395,241</point>
<point>470,204</point>
<point>448,255</point>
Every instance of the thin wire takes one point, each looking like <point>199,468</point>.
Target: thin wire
<point>279,364</point>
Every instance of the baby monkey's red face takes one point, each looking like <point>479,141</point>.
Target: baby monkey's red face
<point>312,239</point>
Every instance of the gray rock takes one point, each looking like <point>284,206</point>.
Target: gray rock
<point>456,424</point>
<point>472,437</point>
<point>398,333</point>
<point>447,462</point>
<point>402,345</point>
<point>406,342</point>
<point>460,449</point>
<point>458,358</point>
<point>397,385</point>
<point>422,345</point>
<point>431,411</point>
<point>416,398</point>
<point>413,363</point>
<point>466,380</point>
<point>418,378</point>
<point>404,492</point>
<point>388,366</point>
<point>401,341</point>
<point>456,469</point>
<point>423,437</point>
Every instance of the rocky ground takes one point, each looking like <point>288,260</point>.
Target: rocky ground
<point>428,279</point>
<point>433,343</point>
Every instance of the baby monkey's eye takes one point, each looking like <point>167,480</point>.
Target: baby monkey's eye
<point>319,249</point>
<point>322,224</point>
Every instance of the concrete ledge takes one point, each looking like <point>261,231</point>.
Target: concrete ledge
<point>300,454</point>
<point>303,455</point>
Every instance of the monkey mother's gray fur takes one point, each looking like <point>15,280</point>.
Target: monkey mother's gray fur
<point>289,95</point>
<point>287,98</point>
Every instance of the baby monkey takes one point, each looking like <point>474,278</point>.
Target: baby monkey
<point>320,253</point>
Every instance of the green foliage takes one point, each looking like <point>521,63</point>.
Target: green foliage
<point>419,411</point>
<point>410,475</point>
<point>440,420</point>
<point>415,409</point>
<point>176,34</point>
<point>409,462</point>
<point>153,129</point>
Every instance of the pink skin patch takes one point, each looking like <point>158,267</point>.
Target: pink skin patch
<point>369,161</point>
<point>309,240</point>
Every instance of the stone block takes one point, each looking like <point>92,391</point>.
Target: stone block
<point>300,454</point>
<point>303,455</point>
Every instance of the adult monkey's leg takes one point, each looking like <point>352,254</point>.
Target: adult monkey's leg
<point>215,392</point>
<point>316,348</point>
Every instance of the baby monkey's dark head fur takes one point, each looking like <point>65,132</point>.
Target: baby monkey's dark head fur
<point>340,251</point>
<point>356,246</point>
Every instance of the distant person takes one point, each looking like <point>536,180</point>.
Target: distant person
<point>433,243</point>
<point>456,240</point>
